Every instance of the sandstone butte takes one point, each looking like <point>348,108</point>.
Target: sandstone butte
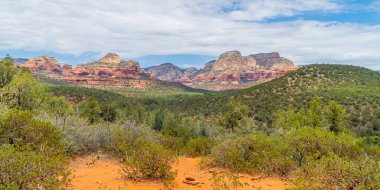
<point>230,70</point>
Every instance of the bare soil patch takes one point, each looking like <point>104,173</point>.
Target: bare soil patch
<point>105,173</point>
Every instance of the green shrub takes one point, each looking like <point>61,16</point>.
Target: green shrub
<point>24,92</point>
<point>30,170</point>
<point>7,70</point>
<point>23,130</point>
<point>148,161</point>
<point>90,109</point>
<point>335,172</point>
<point>79,137</point>
<point>309,144</point>
<point>236,112</point>
<point>198,147</point>
<point>279,155</point>
<point>227,181</point>
<point>122,138</point>
<point>254,154</point>
<point>174,144</point>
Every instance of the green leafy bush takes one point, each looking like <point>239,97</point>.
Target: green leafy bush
<point>30,170</point>
<point>90,109</point>
<point>308,144</point>
<point>198,147</point>
<point>23,130</point>
<point>335,172</point>
<point>254,154</point>
<point>148,161</point>
<point>7,71</point>
<point>24,92</point>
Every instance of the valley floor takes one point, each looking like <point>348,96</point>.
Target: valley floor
<point>105,174</point>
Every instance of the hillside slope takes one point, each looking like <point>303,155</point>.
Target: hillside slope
<point>358,89</point>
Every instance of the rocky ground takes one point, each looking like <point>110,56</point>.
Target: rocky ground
<point>106,174</point>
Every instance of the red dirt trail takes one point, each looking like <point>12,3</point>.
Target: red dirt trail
<point>105,174</point>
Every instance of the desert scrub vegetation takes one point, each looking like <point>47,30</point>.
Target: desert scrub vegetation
<point>311,151</point>
<point>356,89</point>
<point>31,149</point>
<point>148,161</point>
<point>199,147</point>
<point>29,169</point>
<point>277,128</point>
<point>31,153</point>
<point>335,172</point>
<point>136,145</point>
<point>227,181</point>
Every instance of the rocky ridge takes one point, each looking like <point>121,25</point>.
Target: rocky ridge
<point>272,61</point>
<point>230,70</point>
<point>166,71</point>
<point>109,71</point>
<point>44,64</point>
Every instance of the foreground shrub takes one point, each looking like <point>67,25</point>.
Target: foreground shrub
<point>254,154</point>
<point>30,170</point>
<point>334,172</point>
<point>148,161</point>
<point>123,138</point>
<point>308,144</point>
<point>24,131</point>
<point>198,147</point>
<point>227,181</point>
<point>175,144</point>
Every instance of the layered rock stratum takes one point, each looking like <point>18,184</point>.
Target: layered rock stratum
<point>230,70</point>
<point>272,61</point>
<point>44,64</point>
<point>110,71</point>
<point>166,71</point>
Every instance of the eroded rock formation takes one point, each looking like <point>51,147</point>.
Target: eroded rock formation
<point>43,64</point>
<point>109,71</point>
<point>166,71</point>
<point>230,70</point>
<point>272,61</point>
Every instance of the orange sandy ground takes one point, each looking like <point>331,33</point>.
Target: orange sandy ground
<point>105,174</point>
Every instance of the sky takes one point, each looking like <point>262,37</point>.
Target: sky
<point>192,32</point>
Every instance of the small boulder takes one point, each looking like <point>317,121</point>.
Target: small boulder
<point>191,181</point>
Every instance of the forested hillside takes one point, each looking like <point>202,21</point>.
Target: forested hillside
<point>356,88</point>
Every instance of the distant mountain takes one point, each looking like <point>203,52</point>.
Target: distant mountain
<point>108,72</point>
<point>231,70</point>
<point>166,71</point>
<point>272,61</point>
<point>20,60</point>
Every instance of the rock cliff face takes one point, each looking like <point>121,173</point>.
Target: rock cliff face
<point>110,58</point>
<point>230,70</point>
<point>109,71</point>
<point>272,61</point>
<point>166,71</point>
<point>233,62</point>
<point>112,66</point>
<point>43,64</point>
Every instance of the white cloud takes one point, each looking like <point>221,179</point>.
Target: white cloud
<point>137,28</point>
<point>263,9</point>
